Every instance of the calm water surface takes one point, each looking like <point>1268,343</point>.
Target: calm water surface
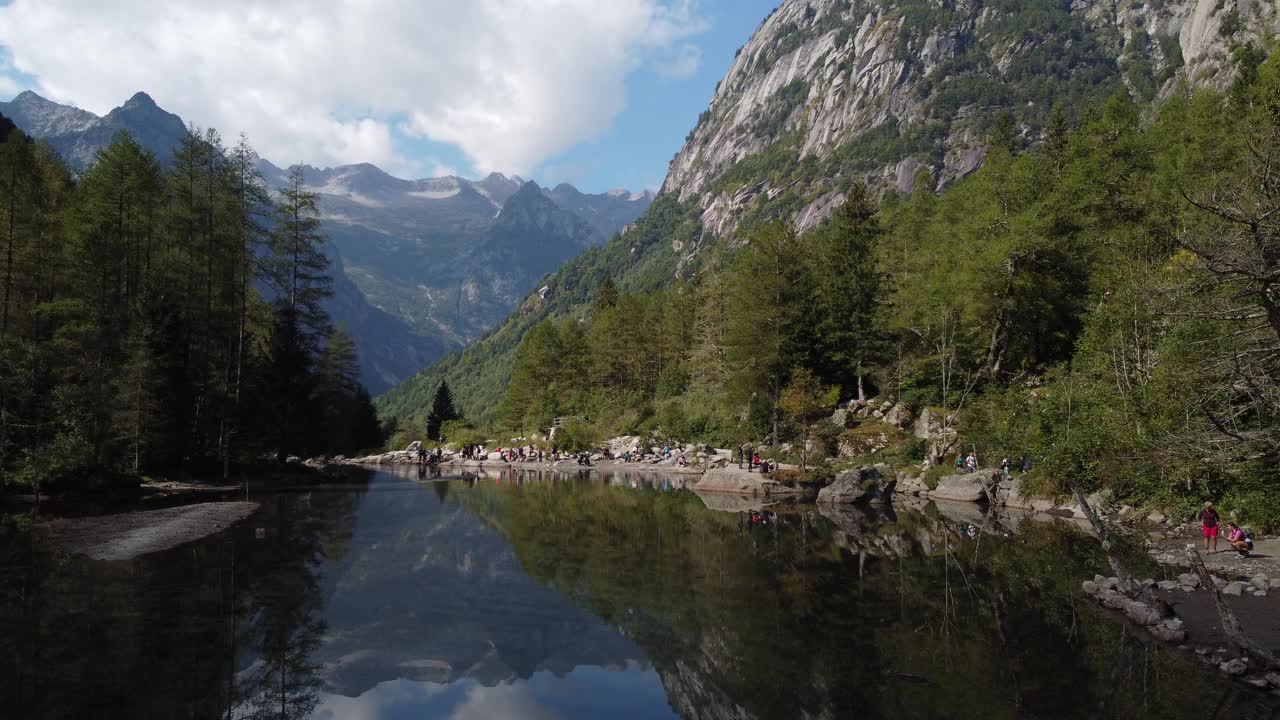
<point>532,596</point>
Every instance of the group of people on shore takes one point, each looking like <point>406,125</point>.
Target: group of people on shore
<point>1241,539</point>
<point>747,454</point>
<point>969,463</point>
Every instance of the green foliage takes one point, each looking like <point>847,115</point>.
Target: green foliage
<point>578,436</point>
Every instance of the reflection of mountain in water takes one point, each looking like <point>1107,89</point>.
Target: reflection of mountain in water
<point>427,592</point>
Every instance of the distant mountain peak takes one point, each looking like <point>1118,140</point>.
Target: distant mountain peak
<point>29,96</point>
<point>140,100</point>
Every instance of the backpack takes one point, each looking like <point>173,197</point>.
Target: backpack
<point>1248,534</point>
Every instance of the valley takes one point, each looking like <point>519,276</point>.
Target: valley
<point>420,267</point>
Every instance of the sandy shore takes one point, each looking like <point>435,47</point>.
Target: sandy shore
<point>128,535</point>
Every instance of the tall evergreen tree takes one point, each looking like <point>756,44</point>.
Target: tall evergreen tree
<point>848,289</point>
<point>442,411</point>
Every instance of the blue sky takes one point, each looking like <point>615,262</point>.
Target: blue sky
<point>597,93</point>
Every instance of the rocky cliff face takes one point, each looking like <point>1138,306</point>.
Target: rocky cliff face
<point>882,89</point>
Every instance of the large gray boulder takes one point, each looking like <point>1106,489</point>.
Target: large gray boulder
<point>928,425</point>
<point>968,487</point>
<point>868,482</point>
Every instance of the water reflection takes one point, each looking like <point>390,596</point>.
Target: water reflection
<point>537,595</point>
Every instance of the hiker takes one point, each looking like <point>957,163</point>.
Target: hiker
<point>755,463</point>
<point>422,455</point>
<point>1209,525</point>
<point>750,456</point>
<point>960,463</point>
<point>1004,468</point>
<point>1026,464</point>
<point>971,463</point>
<point>1241,539</point>
<point>682,462</point>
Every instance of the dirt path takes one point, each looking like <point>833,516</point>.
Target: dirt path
<point>128,535</point>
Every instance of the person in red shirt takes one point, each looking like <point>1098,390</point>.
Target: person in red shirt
<point>1209,526</point>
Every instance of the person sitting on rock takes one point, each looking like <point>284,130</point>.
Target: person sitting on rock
<point>1209,525</point>
<point>1241,539</point>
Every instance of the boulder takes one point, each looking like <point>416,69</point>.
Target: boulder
<point>1141,613</point>
<point>1169,630</point>
<point>969,487</point>
<point>1261,582</point>
<point>927,425</point>
<point>1167,585</point>
<point>910,485</point>
<point>1156,517</point>
<point>840,417</point>
<point>1233,588</point>
<point>898,415</point>
<point>868,482</point>
<point>1189,579</point>
<point>1234,667</point>
<point>1090,587</point>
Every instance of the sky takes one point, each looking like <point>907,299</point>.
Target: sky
<point>597,93</point>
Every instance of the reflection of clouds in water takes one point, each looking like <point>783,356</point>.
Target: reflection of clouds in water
<point>626,693</point>
<point>377,702</point>
<point>461,701</point>
<point>502,701</point>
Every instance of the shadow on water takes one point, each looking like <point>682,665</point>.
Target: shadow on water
<point>528,594</point>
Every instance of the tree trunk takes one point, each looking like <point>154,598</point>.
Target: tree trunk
<point>8,267</point>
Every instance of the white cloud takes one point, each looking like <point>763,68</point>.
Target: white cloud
<point>510,82</point>
<point>682,62</point>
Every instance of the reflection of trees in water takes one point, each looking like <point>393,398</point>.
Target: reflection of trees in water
<point>282,628</point>
<point>219,628</point>
<point>862,614</point>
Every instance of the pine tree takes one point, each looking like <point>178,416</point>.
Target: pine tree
<point>606,294</point>
<point>848,331</point>
<point>299,266</point>
<point>767,328</point>
<point>441,412</point>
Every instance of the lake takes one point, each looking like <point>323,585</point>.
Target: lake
<point>532,595</point>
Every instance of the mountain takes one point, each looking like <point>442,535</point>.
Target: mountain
<point>388,349</point>
<point>420,266</point>
<point>77,134</point>
<point>450,256</point>
<point>826,93</point>
<point>608,212</point>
